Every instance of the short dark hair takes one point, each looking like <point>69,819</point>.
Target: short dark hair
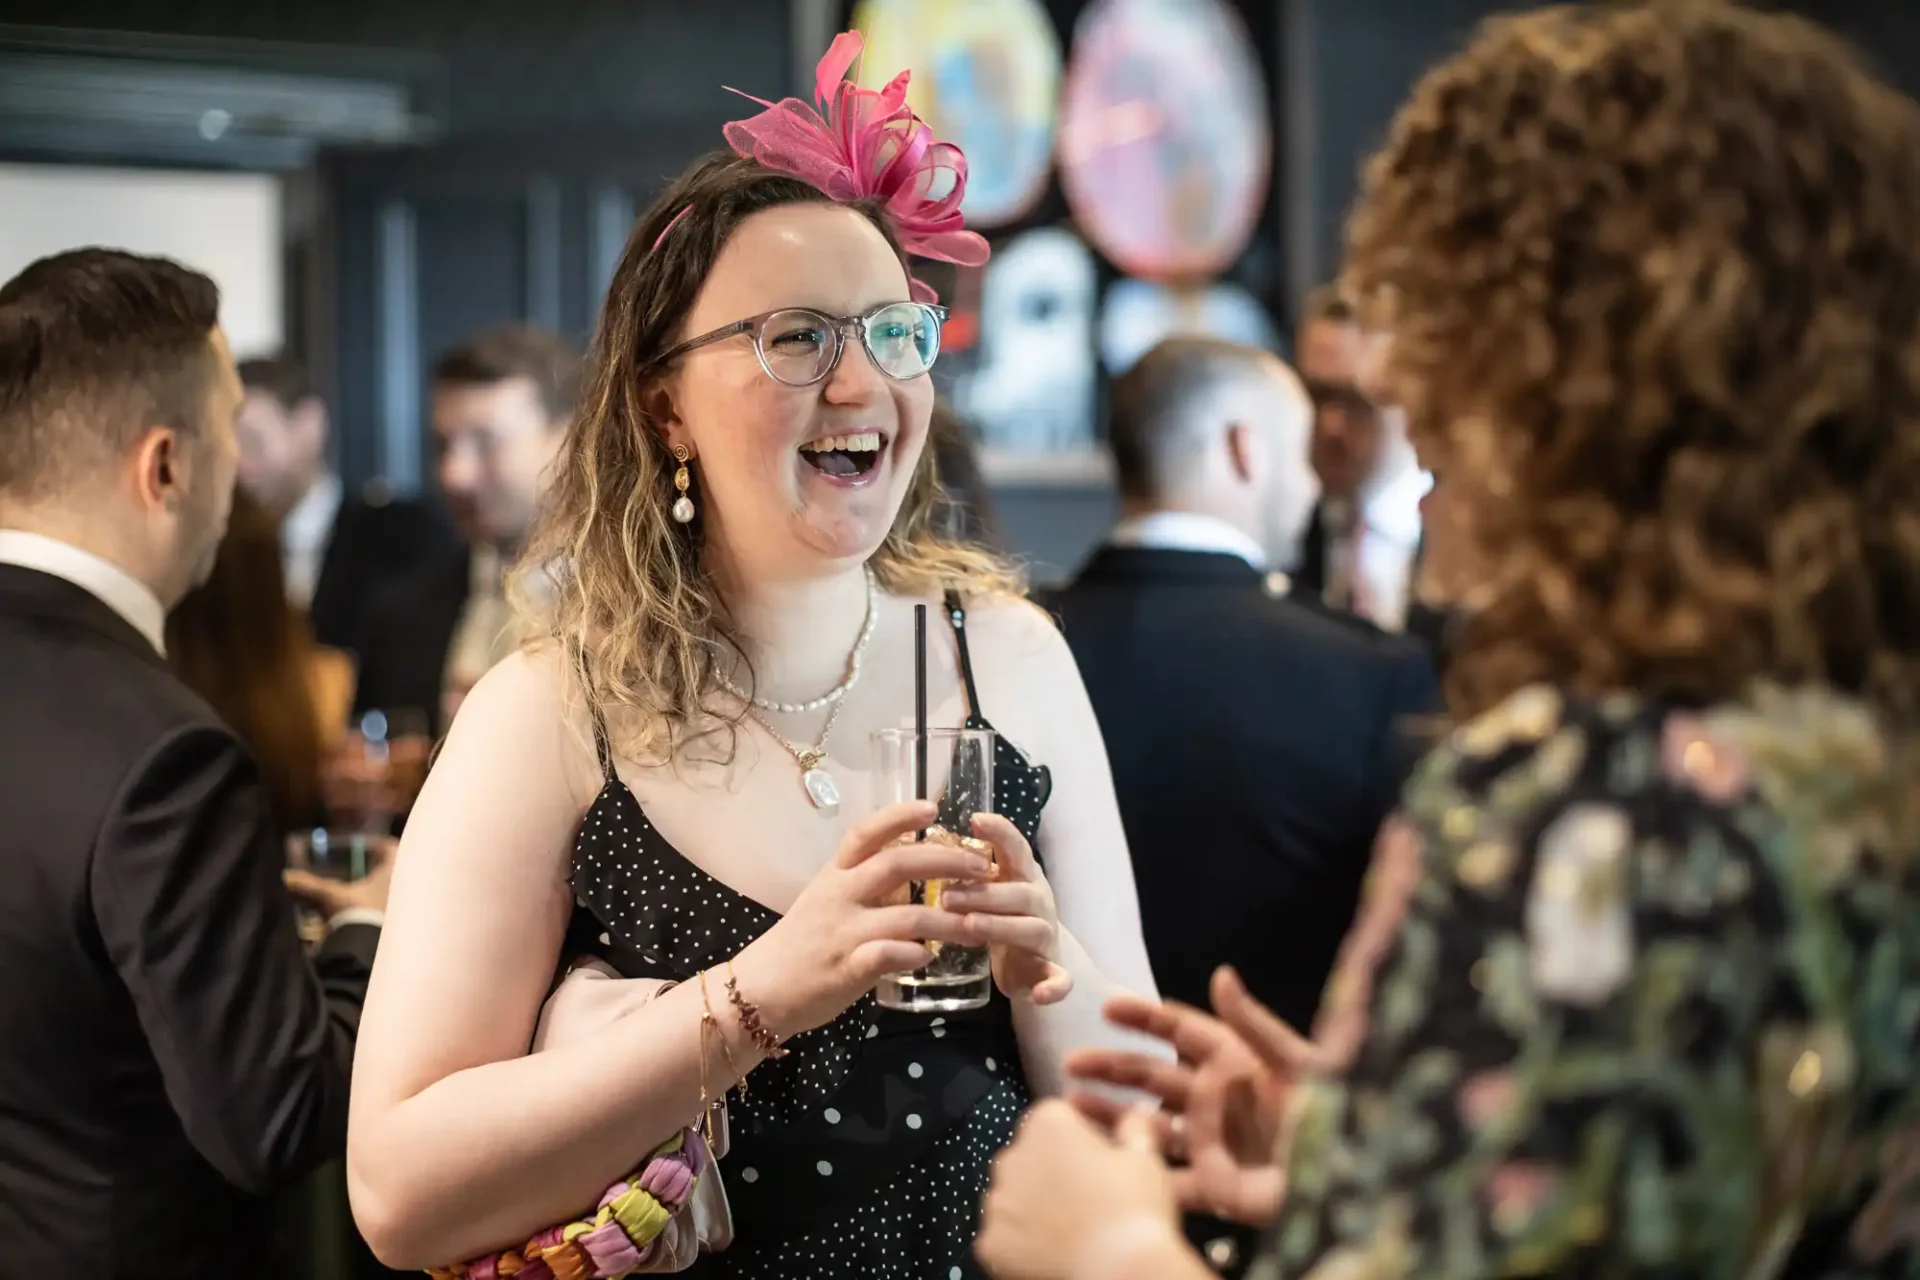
<point>96,345</point>
<point>281,376</point>
<point>1158,401</point>
<point>541,356</point>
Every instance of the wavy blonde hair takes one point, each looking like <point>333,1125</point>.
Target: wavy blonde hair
<point>609,577</point>
<point>1652,279</point>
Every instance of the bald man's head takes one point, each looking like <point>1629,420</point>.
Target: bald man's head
<point>1218,428</point>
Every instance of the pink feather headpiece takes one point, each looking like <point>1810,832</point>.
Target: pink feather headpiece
<point>856,144</point>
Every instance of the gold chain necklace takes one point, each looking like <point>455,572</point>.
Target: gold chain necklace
<point>821,788</point>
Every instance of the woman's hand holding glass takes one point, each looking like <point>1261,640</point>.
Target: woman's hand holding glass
<point>1222,1103</point>
<point>1014,917</point>
<point>847,927</point>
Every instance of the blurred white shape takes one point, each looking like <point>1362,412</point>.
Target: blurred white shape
<point>1139,313</point>
<point>986,77</point>
<point>225,224</point>
<point>214,124</point>
<point>1032,388</point>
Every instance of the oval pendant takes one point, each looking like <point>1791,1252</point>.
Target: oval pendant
<point>683,509</point>
<point>822,790</point>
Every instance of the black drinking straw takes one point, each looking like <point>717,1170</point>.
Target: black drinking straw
<point>919,702</point>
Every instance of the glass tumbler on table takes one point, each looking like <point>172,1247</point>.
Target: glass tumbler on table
<point>959,777</point>
<point>331,855</point>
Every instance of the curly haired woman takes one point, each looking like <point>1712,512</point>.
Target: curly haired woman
<point>1637,988</point>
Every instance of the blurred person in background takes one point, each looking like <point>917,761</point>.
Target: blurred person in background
<point>1632,991</point>
<point>338,550</point>
<point>1363,541</point>
<point>236,642</point>
<point>171,1054</point>
<point>501,403</point>
<point>1251,788</point>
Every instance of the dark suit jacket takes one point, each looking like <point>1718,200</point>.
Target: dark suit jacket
<point>1256,745</point>
<point>409,631</point>
<point>1309,577</point>
<point>1424,622</point>
<point>168,1053</point>
<point>374,542</point>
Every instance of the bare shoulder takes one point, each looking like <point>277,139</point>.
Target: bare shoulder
<point>523,715</point>
<point>1014,628</point>
<point>1029,684</point>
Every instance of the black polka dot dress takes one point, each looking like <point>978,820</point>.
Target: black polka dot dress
<point>865,1151</point>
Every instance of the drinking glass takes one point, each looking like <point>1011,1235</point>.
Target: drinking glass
<point>332,854</point>
<point>957,771</point>
<point>376,773</point>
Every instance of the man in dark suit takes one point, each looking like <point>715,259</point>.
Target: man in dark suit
<point>169,1054</point>
<point>501,406</point>
<point>340,550</point>
<point>1257,742</point>
<point>1362,541</point>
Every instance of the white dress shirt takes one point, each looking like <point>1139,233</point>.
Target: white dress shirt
<point>304,535</point>
<point>107,582</point>
<point>1370,553</point>
<point>1187,531</point>
<point>486,633</point>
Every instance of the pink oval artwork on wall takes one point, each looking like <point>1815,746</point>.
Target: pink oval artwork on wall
<point>1165,138</point>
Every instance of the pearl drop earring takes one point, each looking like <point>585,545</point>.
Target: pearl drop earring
<point>682,505</point>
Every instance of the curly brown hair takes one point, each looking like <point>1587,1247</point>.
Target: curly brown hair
<point>1651,277</point>
<point>609,576</point>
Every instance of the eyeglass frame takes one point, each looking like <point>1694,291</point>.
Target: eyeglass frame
<point>755,325</point>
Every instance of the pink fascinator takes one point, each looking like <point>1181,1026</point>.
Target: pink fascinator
<point>857,144</point>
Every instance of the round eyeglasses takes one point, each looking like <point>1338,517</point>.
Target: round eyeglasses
<point>799,346</point>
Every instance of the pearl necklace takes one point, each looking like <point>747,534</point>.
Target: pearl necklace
<point>833,695</point>
<point>820,786</point>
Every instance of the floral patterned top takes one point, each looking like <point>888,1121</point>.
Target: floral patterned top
<point>1651,1009</point>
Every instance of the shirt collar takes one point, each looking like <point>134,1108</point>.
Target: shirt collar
<point>105,581</point>
<point>486,571</point>
<point>1187,531</point>
<point>311,519</point>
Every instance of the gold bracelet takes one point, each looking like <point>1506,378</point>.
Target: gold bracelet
<point>763,1039</point>
<point>705,1097</point>
<point>707,1019</point>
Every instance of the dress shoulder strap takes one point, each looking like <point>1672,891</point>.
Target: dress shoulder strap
<point>957,615</point>
<point>602,745</point>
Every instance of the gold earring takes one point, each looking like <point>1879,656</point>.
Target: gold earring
<point>682,505</point>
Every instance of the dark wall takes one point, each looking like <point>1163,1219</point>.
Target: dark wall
<point>506,65</point>
<point>1887,32</point>
<point>557,120</point>
<point>1363,56</point>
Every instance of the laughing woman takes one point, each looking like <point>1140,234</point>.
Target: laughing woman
<point>738,533</point>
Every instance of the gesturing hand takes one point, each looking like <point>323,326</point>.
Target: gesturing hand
<point>1014,917</point>
<point>842,933</point>
<point>1222,1101</point>
<point>1064,1191</point>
